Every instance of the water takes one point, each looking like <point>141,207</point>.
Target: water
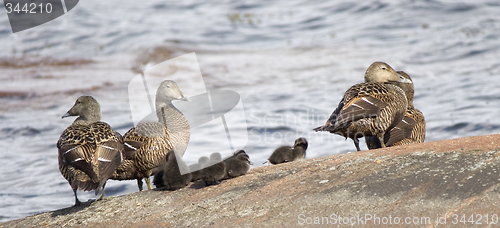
<point>290,61</point>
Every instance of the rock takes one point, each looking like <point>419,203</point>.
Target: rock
<point>427,184</point>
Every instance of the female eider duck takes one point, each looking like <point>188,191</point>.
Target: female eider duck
<point>288,154</point>
<point>410,130</point>
<point>89,150</point>
<point>370,108</point>
<point>147,144</point>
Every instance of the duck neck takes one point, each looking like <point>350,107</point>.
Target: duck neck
<point>87,119</point>
<point>408,91</point>
<point>177,125</point>
<point>409,96</point>
<point>410,102</point>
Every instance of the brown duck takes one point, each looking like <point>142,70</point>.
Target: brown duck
<point>410,130</point>
<point>89,150</point>
<point>147,144</point>
<point>371,108</point>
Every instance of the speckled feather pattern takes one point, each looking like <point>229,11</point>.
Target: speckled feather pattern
<point>418,132</point>
<point>391,95</point>
<point>366,89</point>
<point>85,140</point>
<point>152,142</point>
<point>155,144</point>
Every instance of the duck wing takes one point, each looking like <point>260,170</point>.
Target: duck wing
<point>359,101</point>
<point>109,150</point>
<point>359,108</point>
<point>147,144</point>
<point>76,149</point>
<point>401,131</point>
<point>137,136</point>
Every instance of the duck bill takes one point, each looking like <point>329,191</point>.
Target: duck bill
<point>184,97</point>
<point>65,115</point>
<point>404,80</point>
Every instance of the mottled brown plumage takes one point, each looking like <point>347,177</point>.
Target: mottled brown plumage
<point>89,150</point>
<point>418,131</point>
<point>410,130</point>
<point>370,108</point>
<point>147,144</point>
<point>288,154</point>
<point>237,165</point>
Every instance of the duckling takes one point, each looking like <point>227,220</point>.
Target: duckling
<point>196,169</point>
<point>371,108</point>
<point>299,148</point>
<point>288,154</point>
<point>411,129</point>
<point>237,165</point>
<point>215,170</point>
<point>89,150</point>
<point>147,144</point>
<point>170,177</point>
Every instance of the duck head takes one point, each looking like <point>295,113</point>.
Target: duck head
<point>383,73</point>
<point>86,108</point>
<point>169,91</point>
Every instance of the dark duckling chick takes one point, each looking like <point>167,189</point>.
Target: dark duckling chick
<point>410,130</point>
<point>215,170</point>
<point>237,165</point>
<point>299,149</point>
<point>196,169</point>
<point>371,108</point>
<point>89,150</point>
<point>288,154</point>
<point>174,173</point>
<point>282,154</point>
<point>147,144</point>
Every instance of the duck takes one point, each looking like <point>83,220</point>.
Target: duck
<point>148,143</point>
<point>174,173</point>
<point>288,154</point>
<point>236,165</point>
<point>411,129</point>
<point>89,150</point>
<point>196,169</point>
<point>370,108</point>
<point>214,171</point>
<point>299,148</point>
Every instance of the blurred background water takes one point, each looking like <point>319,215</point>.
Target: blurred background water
<point>290,61</point>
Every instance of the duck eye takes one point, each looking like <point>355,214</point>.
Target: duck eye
<point>383,68</point>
